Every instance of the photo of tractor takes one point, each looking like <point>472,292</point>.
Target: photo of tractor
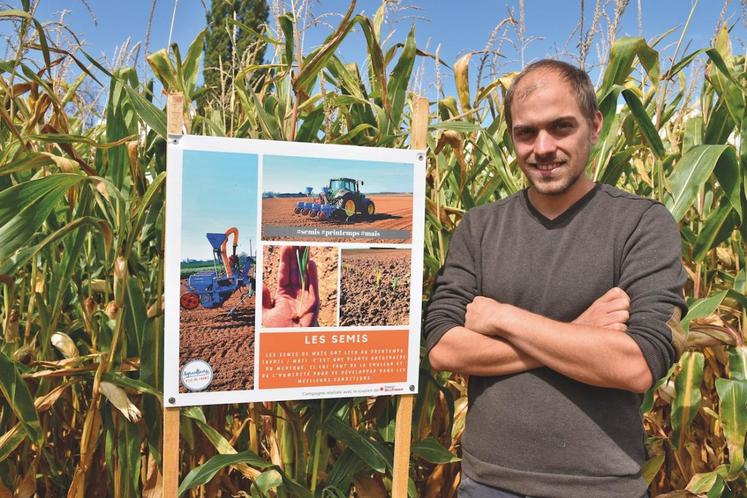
<point>213,287</point>
<point>350,200</point>
<point>339,201</point>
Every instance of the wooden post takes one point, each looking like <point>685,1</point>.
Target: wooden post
<point>170,449</point>
<point>403,422</point>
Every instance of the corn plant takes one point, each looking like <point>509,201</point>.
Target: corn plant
<point>302,260</point>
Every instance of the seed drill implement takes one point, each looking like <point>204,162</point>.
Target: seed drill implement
<point>212,288</point>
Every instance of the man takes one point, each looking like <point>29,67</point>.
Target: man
<point>559,304</point>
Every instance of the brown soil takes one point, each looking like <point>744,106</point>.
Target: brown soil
<point>393,212</point>
<point>326,264</point>
<point>226,342</point>
<point>363,301</point>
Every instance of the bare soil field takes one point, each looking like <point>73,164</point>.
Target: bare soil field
<point>393,212</point>
<point>375,287</point>
<point>326,264</point>
<point>226,342</point>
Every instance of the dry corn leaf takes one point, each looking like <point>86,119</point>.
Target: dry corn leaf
<point>101,188</point>
<point>65,345</point>
<point>118,397</point>
<point>100,285</point>
<point>152,484</point>
<point>461,77</point>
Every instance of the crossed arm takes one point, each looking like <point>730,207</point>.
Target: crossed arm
<point>500,339</point>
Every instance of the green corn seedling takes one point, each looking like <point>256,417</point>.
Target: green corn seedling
<point>302,258</point>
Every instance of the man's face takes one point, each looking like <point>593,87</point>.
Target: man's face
<point>551,136</point>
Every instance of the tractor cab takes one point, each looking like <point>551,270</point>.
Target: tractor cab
<point>348,184</point>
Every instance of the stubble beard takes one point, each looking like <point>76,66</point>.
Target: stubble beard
<point>552,188</point>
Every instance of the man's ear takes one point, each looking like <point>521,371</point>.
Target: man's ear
<point>596,126</point>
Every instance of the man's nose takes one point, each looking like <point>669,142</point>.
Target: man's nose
<point>544,144</point>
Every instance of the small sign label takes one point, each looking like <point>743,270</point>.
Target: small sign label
<point>196,375</point>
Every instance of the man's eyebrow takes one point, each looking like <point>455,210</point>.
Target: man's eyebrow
<point>533,126</point>
<point>564,118</point>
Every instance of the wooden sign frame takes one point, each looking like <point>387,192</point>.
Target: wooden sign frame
<point>403,421</point>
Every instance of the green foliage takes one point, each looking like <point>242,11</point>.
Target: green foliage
<point>232,40</point>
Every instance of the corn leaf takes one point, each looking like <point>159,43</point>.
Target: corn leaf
<point>691,172</point>
<point>317,59</point>
<point>705,482</point>
<point>430,450</point>
<point>205,472</point>
<point>620,65</point>
<point>738,363</point>
<point>11,265</point>
<point>703,307</point>
<point>717,227</point>
<point>191,65</point>
<point>648,130</point>
<point>687,399</point>
<point>461,78</point>
<point>346,467</point>
<point>162,67</point>
<point>150,114</point>
<point>356,442</point>
<point>397,86</point>
<point>732,394</point>
<point>19,399</point>
<point>24,207</point>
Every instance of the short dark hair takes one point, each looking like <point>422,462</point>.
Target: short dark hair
<point>577,78</point>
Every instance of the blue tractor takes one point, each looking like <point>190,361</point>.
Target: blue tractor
<point>212,288</point>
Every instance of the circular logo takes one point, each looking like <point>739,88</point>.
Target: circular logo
<point>196,375</point>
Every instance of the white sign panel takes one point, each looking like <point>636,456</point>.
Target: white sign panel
<point>293,271</point>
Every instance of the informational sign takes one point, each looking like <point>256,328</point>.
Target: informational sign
<point>293,271</point>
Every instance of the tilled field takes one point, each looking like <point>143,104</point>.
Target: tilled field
<point>326,264</point>
<point>375,287</point>
<point>393,212</point>
<point>225,342</point>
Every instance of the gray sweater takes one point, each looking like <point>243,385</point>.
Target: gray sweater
<point>538,432</point>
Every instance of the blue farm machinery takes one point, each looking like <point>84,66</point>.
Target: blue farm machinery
<point>340,201</point>
<point>212,288</point>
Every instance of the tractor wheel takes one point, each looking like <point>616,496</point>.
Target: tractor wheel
<point>370,209</point>
<point>349,206</point>
<point>189,300</point>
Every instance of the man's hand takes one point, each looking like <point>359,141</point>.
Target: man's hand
<point>482,314</point>
<point>611,311</point>
<point>292,305</point>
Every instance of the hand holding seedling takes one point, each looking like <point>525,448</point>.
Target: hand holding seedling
<point>296,301</point>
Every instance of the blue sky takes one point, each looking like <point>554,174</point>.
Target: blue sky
<point>294,174</point>
<point>459,27</point>
<point>219,191</point>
